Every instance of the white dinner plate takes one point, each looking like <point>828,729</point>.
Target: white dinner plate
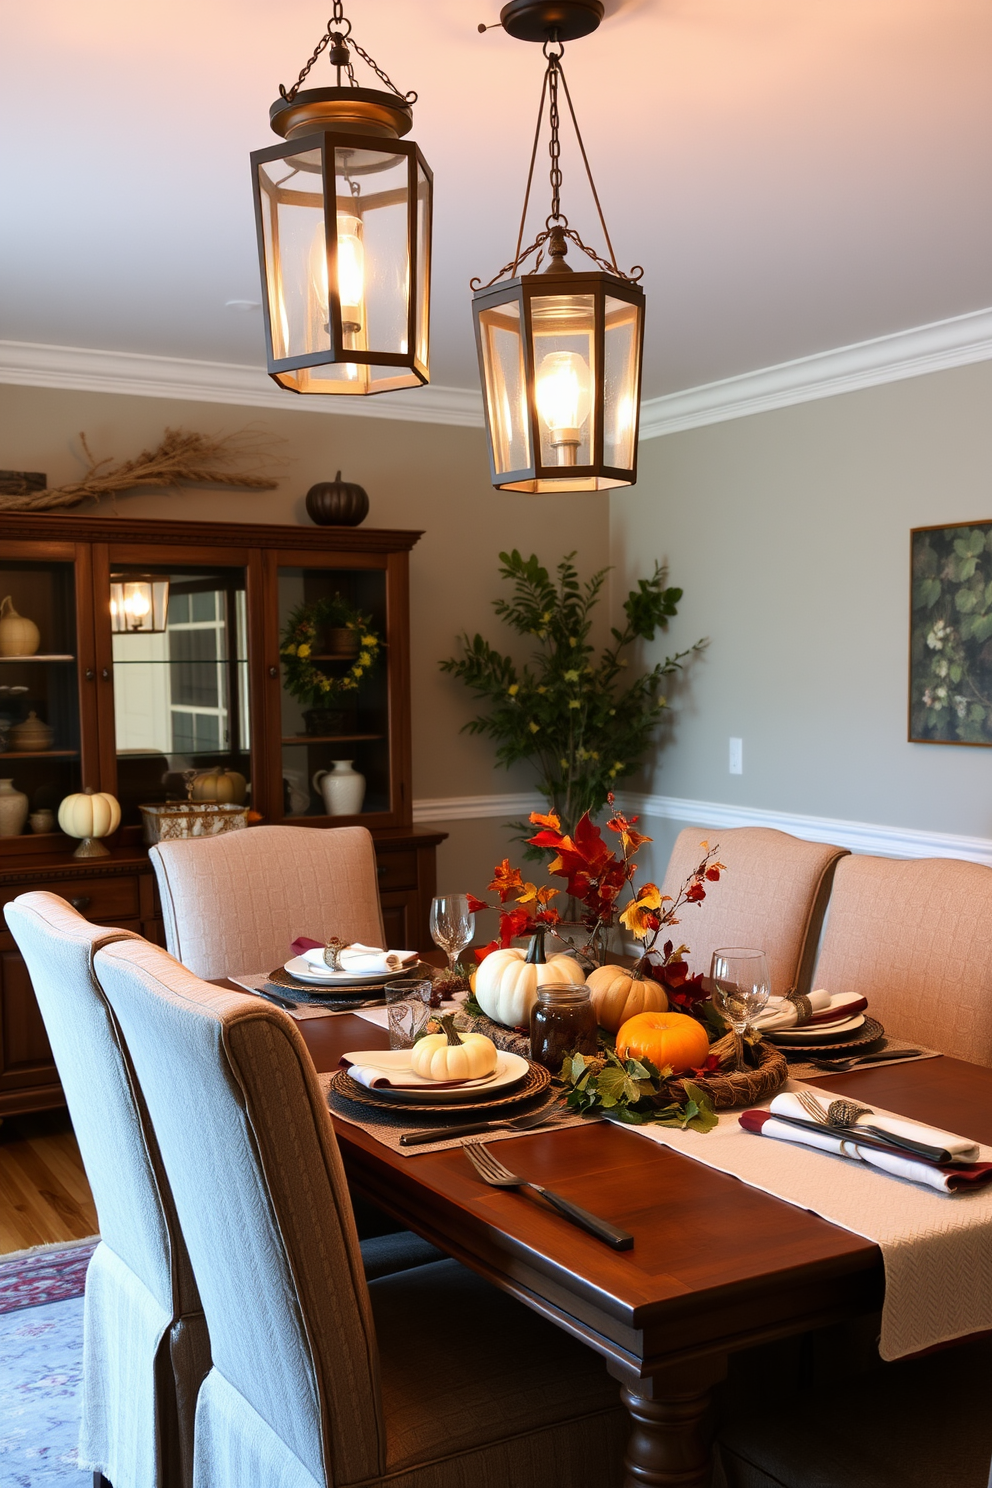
<point>814,1033</point>
<point>304,971</point>
<point>511,1069</point>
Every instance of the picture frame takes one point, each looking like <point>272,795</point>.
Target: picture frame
<point>950,634</point>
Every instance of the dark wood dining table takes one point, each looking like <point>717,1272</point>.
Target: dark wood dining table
<point>716,1266</point>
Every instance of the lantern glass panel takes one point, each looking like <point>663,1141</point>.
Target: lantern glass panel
<point>138,604</point>
<point>563,331</point>
<point>423,264</point>
<point>501,341</point>
<point>621,391</point>
<point>373,259</point>
<point>292,201</point>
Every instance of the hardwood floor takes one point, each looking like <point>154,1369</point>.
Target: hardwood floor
<point>44,1195</point>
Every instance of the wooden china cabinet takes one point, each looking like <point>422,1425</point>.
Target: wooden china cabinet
<point>130,712</point>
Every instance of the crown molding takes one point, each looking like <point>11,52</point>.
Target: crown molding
<point>927,348</point>
<point>144,376</point>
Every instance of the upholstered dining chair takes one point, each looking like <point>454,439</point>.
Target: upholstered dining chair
<point>235,903</point>
<point>916,938</point>
<point>426,1379</point>
<point>773,896</point>
<point>146,1348</point>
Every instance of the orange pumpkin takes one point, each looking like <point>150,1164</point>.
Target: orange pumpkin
<point>664,1038</point>
<point>617,995</point>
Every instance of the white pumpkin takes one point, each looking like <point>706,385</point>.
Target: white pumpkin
<point>506,982</point>
<point>223,786</point>
<point>89,814</point>
<point>18,635</point>
<point>452,1055</point>
<point>618,995</point>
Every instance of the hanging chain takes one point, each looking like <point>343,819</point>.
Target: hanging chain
<point>549,91</point>
<point>338,37</point>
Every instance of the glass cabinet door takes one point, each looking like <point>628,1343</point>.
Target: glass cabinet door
<point>40,737</point>
<point>335,693</point>
<point>181,699</point>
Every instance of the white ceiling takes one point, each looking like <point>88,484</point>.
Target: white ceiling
<point>793,174</point>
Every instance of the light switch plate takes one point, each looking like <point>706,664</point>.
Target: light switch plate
<point>737,756</point>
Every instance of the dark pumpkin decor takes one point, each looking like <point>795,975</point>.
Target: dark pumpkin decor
<point>337,503</point>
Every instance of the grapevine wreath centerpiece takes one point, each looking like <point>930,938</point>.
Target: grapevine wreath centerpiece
<point>335,624</point>
<point>665,1053</point>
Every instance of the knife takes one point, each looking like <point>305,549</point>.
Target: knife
<point>938,1156</point>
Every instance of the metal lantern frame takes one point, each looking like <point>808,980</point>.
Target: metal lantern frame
<point>411,369</point>
<point>157,599</point>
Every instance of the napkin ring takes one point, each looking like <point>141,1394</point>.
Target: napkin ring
<point>802,1005</point>
<point>845,1112</point>
<point>332,952</point>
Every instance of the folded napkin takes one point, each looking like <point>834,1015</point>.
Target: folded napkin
<point>360,960</point>
<point>390,1068</point>
<point>779,1012</point>
<point>946,1178</point>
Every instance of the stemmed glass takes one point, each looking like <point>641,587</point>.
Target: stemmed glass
<point>452,925</point>
<point>740,988</point>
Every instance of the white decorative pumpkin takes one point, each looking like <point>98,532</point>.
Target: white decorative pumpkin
<point>89,815</point>
<point>506,982</point>
<point>617,995</point>
<point>223,786</point>
<point>18,635</point>
<point>452,1055</point>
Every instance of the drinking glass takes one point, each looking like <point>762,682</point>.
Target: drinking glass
<point>740,987</point>
<point>408,1006</point>
<point>452,925</point>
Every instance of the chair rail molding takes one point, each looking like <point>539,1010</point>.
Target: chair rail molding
<point>858,837</point>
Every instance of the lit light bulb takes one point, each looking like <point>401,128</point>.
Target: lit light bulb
<point>136,605</point>
<point>564,401</point>
<point>351,272</point>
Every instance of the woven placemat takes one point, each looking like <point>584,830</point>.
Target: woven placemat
<point>323,1007</point>
<point>387,1127</point>
<point>800,1067</point>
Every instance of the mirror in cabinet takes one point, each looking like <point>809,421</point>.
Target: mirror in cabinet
<point>181,698</point>
<point>40,750</point>
<point>335,714</point>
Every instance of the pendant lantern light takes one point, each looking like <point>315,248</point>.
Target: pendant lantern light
<point>343,215</point>
<point>559,348</point>
<point>139,603</point>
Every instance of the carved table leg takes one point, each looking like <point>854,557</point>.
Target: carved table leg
<point>669,1444</point>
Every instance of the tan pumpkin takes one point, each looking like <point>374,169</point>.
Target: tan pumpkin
<point>665,1038</point>
<point>506,982</point>
<point>18,635</point>
<point>89,815</point>
<point>223,786</point>
<point>452,1055</point>
<point>617,995</point>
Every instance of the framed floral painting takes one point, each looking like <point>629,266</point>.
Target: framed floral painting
<point>950,651</point>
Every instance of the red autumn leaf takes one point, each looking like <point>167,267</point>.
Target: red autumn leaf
<point>713,874</point>
<point>695,893</point>
<point>476,905</point>
<point>506,880</point>
<point>710,1063</point>
<point>481,952</point>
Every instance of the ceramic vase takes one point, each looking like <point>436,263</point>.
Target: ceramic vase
<point>13,810</point>
<point>342,788</point>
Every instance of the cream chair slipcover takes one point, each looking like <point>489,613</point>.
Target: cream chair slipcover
<point>146,1348</point>
<point>916,939</point>
<point>235,903</point>
<point>427,1379</point>
<point>773,897</point>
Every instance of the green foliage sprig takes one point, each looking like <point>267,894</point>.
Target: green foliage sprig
<point>634,1091</point>
<point>303,678</point>
<point>952,634</point>
<point>583,721</point>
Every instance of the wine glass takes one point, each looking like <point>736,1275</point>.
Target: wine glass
<point>740,987</point>
<point>452,925</point>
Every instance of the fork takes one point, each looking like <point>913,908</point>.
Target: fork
<point>492,1171</point>
<point>845,1118</point>
<point>840,1066</point>
<point>515,1123</point>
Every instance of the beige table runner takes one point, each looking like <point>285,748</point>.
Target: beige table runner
<point>937,1248</point>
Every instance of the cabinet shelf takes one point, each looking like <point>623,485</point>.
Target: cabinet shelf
<point>52,657</point>
<point>19,754</point>
<point>328,738</point>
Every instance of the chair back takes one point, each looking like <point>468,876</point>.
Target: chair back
<point>247,1142</point>
<point>137,1219</point>
<point>236,903</point>
<point>915,937</point>
<point>772,897</point>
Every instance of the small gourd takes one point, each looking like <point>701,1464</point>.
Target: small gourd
<point>223,786</point>
<point>506,982</point>
<point>90,815</point>
<point>452,1055</point>
<point>18,635</point>
<point>665,1038</point>
<point>617,995</point>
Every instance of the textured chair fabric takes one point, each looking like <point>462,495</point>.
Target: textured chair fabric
<point>428,1378</point>
<point>916,939</point>
<point>235,903</point>
<point>145,1340</point>
<point>773,896</point>
<point>919,1423</point>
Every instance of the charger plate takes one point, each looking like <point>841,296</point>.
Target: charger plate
<point>869,1033</point>
<point>537,1080</point>
<point>311,992</point>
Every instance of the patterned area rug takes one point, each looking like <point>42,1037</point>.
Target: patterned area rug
<point>41,1359</point>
